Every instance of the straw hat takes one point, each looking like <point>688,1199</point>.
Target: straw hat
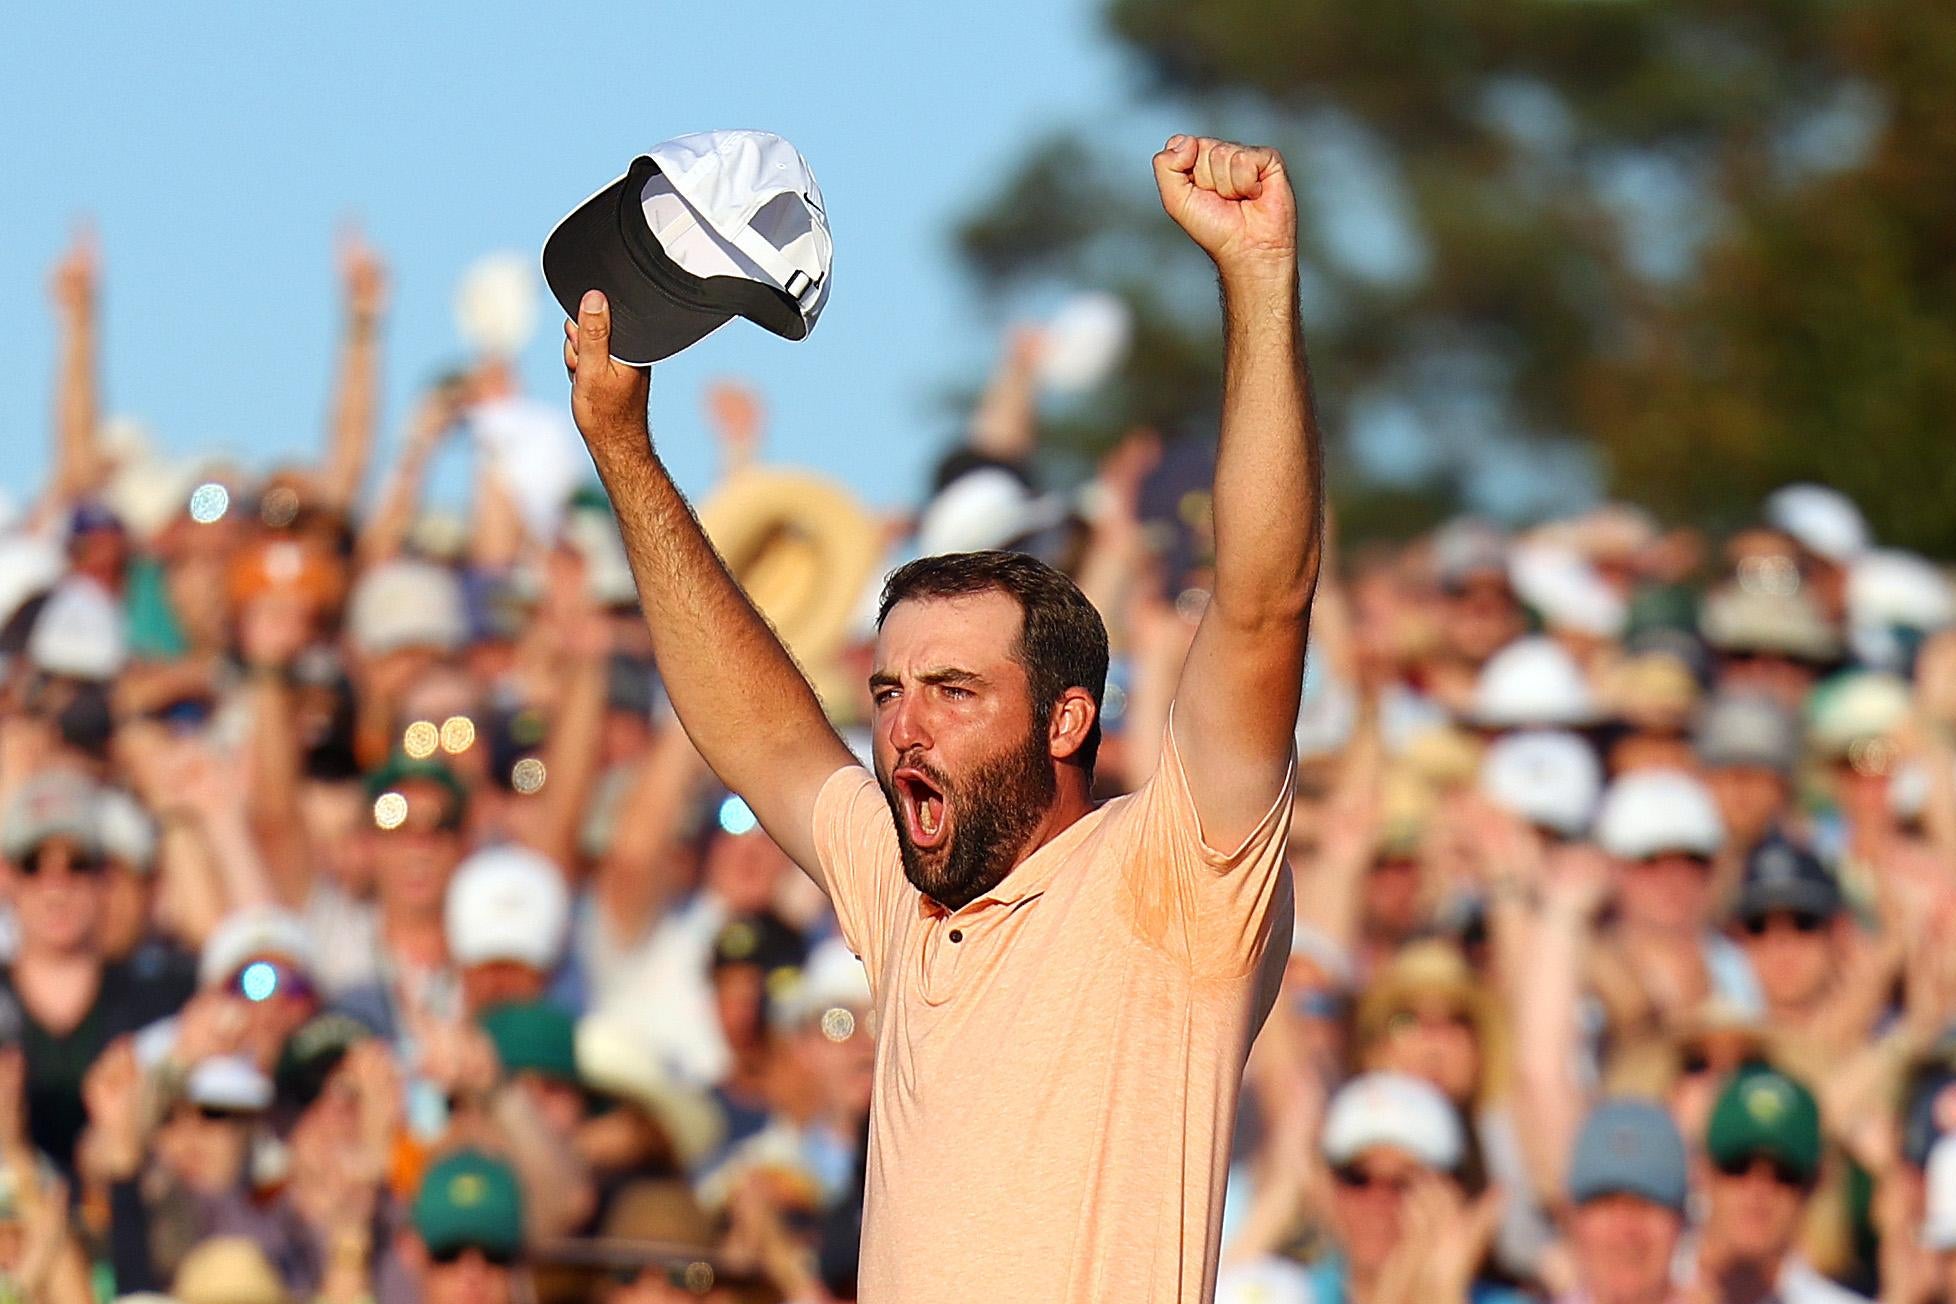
<point>804,549</point>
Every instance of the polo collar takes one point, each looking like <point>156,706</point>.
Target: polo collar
<point>1030,876</point>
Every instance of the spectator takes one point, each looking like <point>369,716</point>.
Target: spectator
<point>466,1244</point>
<point>1763,1144</point>
<point>1628,1186</point>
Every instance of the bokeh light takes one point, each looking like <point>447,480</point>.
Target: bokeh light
<point>736,817</point>
<point>390,810</point>
<point>838,1023</point>
<point>421,739</point>
<point>457,734</point>
<point>527,775</point>
<point>259,981</point>
<point>209,502</point>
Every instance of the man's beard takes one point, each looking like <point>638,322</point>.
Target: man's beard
<point>993,811</point>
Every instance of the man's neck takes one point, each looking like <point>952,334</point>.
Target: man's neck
<point>1071,804</point>
<point>413,940</point>
<point>58,988</point>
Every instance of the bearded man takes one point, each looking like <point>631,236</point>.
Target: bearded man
<point>1066,991</point>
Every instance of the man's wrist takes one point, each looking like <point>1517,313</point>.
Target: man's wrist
<point>1268,276</point>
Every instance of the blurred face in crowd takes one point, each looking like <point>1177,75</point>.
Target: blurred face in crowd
<point>58,894</point>
<point>1793,953</point>
<point>740,1001</point>
<point>1433,1038</point>
<point>128,904</point>
<point>501,982</point>
<point>1704,1062</point>
<point>198,575</point>
<point>466,1276</point>
<point>276,998</point>
<point>205,1148</point>
<point>1479,615</point>
<point>744,870</point>
<point>1623,1246</point>
<point>1751,800</point>
<point>413,862</point>
<point>1668,891</point>
<point>1860,781</point>
<point>840,1053</point>
<point>962,756</point>
<point>1390,904</point>
<point>1771,675</point>
<point>1754,1210</point>
<point>1367,1197</point>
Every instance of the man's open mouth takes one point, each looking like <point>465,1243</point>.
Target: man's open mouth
<point>925,814</point>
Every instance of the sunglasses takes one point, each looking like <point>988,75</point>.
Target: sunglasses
<point>1802,922</point>
<point>449,1255</point>
<point>1781,1172</point>
<point>261,980</point>
<point>1354,1178</point>
<point>216,1114</point>
<point>88,866</point>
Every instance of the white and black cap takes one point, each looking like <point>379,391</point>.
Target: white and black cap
<point>701,229</point>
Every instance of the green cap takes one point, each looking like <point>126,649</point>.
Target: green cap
<point>1762,1113</point>
<point>402,768</point>
<point>535,1037</point>
<point>470,1201</point>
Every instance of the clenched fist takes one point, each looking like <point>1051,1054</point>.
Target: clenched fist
<point>607,396</point>
<point>1233,200</point>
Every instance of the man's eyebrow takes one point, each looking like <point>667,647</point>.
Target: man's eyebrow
<point>949,675</point>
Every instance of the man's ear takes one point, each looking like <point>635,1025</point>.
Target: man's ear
<point>1072,720</point>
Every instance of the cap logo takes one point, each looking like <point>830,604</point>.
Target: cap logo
<point>467,1190</point>
<point>1779,864</point>
<point>1623,1144</point>
<point>1767,1101</point>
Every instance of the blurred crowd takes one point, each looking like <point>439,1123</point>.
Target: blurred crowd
<point>372,932</point>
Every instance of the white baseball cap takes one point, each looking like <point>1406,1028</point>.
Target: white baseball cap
<point>251,932</point>
<point>507,903</point>
<point>1648,812</point>
<point>1569,593</point>
<point>1533,683</point>
<point>1547,777</point>
<point>982,509</point>
<point>1825,521</point>
<point>229,1082</point>
<point>700,229</point>
<point>1890,587</point>
<point>1396,1110</point>
<point>79,632</point>
<point>407,604</point>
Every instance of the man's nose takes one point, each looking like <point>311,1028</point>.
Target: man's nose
<point>907,727</point>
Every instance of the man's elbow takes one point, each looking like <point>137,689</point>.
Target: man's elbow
<point>1269,608</point>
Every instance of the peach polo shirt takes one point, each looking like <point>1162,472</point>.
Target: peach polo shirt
<point>1057,1063</point>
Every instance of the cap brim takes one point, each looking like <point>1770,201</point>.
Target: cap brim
<point>586,252</point>
<point>1806,898</point>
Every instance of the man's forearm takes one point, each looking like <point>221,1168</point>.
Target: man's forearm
<point>355,403</point>
<point>1269,487</point>
<point>736,690</point>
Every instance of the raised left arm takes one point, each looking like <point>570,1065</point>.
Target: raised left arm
<point>1236,702</point>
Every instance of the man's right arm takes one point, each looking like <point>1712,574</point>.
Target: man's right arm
<point>735,688</point>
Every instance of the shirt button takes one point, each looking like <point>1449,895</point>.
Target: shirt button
<point>957,934</point>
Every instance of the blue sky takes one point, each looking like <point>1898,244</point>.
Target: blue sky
<point>218,154</point>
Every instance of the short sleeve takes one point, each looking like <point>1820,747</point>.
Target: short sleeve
<point>1217,904</point>
<point>862,868</point>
